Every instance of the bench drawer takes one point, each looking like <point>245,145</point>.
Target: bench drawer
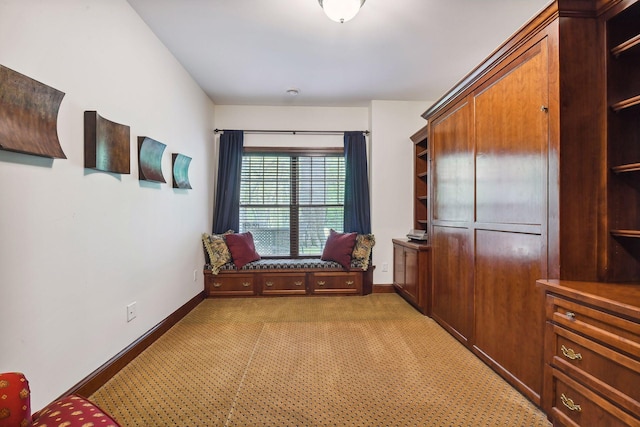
<point>335,283</point>
<point>238,284</point>
<point>283,284</point>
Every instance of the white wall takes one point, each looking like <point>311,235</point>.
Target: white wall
<point>390,153</point>
<point>78,245</point>
<point>391,171</point>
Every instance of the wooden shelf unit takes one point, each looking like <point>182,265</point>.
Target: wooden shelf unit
<point>622,29</point>
<point>421,180</point>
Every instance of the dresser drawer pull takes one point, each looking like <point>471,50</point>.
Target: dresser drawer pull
<point>570,404</point>
<point>246,284</point>
<point>349,282</point>
<point>216,284</point>
<point>298,283</point>
<point>571,315</point>
<point>321,283</point>
<point>569,353</point>
<point>269,284</point>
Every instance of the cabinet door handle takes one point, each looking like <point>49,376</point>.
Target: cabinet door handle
<point>246,284</point>
<point>544,108</point>
<point>569,353</point>
<point>269,284</point>
<point>571,315</point>
<point>298,283</point>
<point>569,403</point>
<point>216,284</point>
<point>321,283</point>
<point>349,282</point>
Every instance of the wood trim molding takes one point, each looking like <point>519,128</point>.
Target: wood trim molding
<point>104,373</point>
<point>383,289</point>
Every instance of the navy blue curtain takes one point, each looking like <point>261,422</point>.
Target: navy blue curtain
<point>356,192</point>
<point>226,214</point>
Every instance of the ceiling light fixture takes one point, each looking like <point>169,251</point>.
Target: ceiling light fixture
<point>341,10</point>
<point>293,92</point>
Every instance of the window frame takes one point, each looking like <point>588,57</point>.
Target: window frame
<point>297,152</point>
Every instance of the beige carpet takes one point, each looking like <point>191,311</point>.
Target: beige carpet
<point>322,361</point>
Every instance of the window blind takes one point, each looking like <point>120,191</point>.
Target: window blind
<point>289,202</point>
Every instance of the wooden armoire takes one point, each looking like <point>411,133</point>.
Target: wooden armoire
<point>523,181</point>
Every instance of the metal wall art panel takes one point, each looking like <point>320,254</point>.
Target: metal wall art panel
<point>29,115</point>
<point>181,171</point>
<point>150,159</point>
<point>106,144</point>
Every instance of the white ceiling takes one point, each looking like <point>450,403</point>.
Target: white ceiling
<point>249,52</point>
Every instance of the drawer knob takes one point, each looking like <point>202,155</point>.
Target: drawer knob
<point>298,283</point>
<point>321,283</point>
<point>216,284</point>
<point>571,315</point>
<point>246,284</point>
<point>570,353</point>
<point>569,403</point>
<point>349,282</point>
<point>269,284</point>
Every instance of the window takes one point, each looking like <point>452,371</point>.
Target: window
<point>290,200</point>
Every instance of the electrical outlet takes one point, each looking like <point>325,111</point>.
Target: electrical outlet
<point>131,311</point>
<point>195,275</point>
<point>385,266</point>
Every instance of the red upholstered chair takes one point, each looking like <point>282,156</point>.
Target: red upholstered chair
<point>70,411</point>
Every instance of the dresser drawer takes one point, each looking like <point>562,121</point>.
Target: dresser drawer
<point>335,283</point>
<point>575,404</point>
<point>615,375</point>
<point>230,285</point>
<point>615,331</point>
<point>283,284</point>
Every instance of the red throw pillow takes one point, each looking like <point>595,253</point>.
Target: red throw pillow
<point>15,400</point>
<point>339,247</point>
<point>73,411</point>
<point>242,248</point>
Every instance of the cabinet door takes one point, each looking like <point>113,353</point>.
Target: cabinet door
<point>511,178</point>
<point>411,285</point>
<point>398,265</point>
<point>453,166</point>
<point>452,280</point>
<point>452,242</point>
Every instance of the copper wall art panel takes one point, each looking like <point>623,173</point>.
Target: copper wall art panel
<point>29,115</point>
<point>181,171</point>
<point>106,144</point>
<point>150,159</point>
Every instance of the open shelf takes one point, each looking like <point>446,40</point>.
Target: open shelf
<point>423,198</point>
<point>423,174</point>
<point>634,234</point>
<point>626,103</point>
<point>422,153</point>
<point>626,46</point>
<point>632,167</point>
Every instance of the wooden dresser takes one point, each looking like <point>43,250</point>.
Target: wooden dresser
<point>592,353</point>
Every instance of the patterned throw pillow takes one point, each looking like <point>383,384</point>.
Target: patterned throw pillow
<point>73,411</point>
<point>15,400</point>
<point>362,249</point>
<point>217,250</point>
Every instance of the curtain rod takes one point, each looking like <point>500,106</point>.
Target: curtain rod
<point>296,132</point>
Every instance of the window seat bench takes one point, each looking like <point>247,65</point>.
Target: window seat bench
<point>282,277</point>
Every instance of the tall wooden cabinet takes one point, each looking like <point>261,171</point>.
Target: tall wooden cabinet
<point>524,183</point>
